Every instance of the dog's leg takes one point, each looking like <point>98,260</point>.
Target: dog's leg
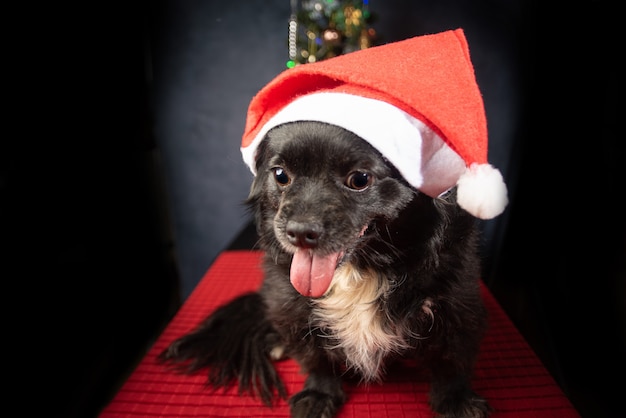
<point>234,343</point>
<point>451,365</point>
<point>321,397</point>
<point>452,397</point>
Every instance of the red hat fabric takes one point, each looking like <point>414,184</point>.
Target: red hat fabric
<point>416,101</point>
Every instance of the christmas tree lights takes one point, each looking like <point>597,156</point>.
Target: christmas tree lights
<point>321,29</point>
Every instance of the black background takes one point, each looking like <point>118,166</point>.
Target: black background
<point>90,266</point>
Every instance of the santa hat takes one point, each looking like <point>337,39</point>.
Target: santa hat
<point>416,101</point>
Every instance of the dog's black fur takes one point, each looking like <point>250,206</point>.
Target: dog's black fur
<point>406,283</point>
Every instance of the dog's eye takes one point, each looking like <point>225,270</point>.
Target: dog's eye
<point>281,177</point>
<point>359,180</point>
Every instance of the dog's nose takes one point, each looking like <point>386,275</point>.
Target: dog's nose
<point>303,234</point>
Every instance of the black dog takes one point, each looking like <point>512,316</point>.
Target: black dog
<point>360,268</point>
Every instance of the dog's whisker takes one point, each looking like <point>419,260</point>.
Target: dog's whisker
<point>418,336</point>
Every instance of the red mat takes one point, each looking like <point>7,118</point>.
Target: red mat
<point>508,373</point>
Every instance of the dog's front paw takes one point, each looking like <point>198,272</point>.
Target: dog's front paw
<point>311,403</point>
<point>471,406</point>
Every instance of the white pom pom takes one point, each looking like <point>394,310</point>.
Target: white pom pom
<point>481,191</point>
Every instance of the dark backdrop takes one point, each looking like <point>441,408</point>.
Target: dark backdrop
<point>122,180</point>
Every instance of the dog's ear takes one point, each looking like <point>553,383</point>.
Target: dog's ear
<point>254,202</point>
<point>256,189</point>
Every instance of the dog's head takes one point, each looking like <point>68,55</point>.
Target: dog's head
<point>319,193</point>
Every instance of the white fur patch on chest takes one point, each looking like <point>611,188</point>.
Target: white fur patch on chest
<point>351,313</point>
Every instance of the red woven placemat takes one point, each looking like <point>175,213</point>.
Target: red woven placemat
<point>508,373</point>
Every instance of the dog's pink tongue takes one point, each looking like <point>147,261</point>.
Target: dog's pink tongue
<point>311,274</point>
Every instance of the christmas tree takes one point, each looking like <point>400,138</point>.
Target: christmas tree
<point>320,29</point>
